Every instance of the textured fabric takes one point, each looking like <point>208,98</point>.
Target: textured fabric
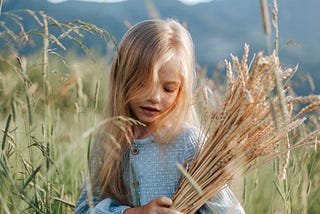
<point>150,171</point>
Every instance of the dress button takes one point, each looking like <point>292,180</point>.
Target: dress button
<point>134,150</point>
<point>135,184</point>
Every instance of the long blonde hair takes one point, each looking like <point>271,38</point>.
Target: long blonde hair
<point>143,50</point>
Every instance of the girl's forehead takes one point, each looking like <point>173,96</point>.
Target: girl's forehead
<point>169,72</point>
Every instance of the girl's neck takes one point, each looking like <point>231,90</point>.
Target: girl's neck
<point>140,132</point>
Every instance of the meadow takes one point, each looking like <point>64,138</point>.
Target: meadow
<point>52,100</point>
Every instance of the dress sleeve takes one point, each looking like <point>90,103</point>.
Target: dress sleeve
<point>223,202</point>
<point>89,203</point>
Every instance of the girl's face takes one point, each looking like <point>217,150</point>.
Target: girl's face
<point>148,107</point>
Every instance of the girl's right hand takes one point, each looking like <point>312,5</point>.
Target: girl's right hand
<point>159,205</point>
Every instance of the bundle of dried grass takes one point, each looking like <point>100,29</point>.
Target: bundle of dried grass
<point>251,128</point>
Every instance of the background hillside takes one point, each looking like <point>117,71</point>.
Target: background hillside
<point>218,28</point>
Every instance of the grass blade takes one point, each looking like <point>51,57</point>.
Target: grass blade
<point>67,203</point>
<point>1,1</point>
<point>190,179</point>
<point>29,110</point>
<point>6,132</point>
<point>33,174</point>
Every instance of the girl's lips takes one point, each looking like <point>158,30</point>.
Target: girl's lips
<point>149,111</point>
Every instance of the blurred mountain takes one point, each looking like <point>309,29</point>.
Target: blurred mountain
<point>218,28</point>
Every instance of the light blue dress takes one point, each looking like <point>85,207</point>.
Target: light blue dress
<point>150,171</point>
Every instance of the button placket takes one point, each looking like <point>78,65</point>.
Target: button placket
<point>135,185</point>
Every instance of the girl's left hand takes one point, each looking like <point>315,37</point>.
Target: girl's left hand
<point>159,205</point>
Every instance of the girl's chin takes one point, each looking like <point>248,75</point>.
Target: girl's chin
<point>148,121</point>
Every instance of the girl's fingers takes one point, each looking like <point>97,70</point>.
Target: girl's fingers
<point>164,201</point>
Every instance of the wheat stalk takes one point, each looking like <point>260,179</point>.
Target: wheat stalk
<point>253,126</point>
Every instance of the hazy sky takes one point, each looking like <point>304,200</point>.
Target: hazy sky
<point>184,1</point>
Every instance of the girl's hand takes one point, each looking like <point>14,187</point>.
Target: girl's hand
<point>159,205</point>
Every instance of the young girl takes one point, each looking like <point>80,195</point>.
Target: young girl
<point>133,165</point>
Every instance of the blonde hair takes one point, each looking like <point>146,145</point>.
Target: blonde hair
<point>143,50</point>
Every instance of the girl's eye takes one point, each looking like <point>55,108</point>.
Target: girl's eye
<point>169,90</point>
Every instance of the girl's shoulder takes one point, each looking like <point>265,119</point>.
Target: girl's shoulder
<point>189,138</point>
<point>190,132</point>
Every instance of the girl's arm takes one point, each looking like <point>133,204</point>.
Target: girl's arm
<point>158,205</point>
<point>88,203</point>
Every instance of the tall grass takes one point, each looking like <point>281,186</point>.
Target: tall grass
<point>51,98</point>
<point>48,100</point>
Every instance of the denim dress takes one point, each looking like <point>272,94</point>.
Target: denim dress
<point>150,171</point>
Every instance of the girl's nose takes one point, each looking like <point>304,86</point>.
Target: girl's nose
<point>155,95</point>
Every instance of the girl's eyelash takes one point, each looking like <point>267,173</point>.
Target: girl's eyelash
<point>169,89</point>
